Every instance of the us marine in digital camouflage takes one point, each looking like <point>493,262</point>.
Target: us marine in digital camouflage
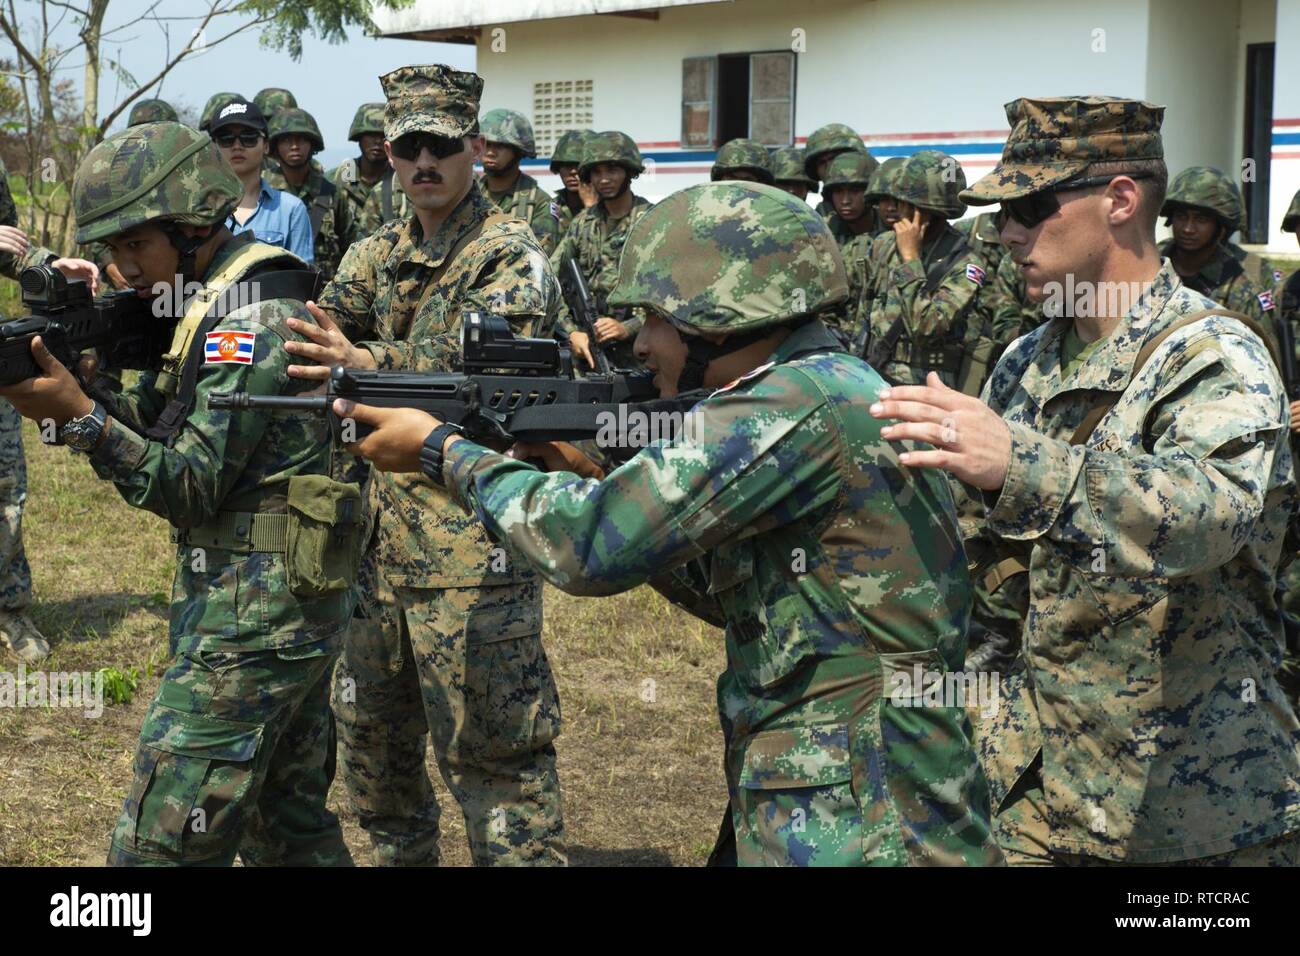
<point>1137,457</point>
<point>235,755</point>
<point>778,513</point>
<point>508,138</point>
<point>447,639</point>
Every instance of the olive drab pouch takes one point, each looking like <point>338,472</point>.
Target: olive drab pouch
<point>325,523</point>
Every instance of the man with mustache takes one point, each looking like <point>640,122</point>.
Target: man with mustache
<point>447,637</point>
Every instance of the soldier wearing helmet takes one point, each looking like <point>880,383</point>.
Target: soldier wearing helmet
<point>822,146</point>
<point>776,461</point>
<point>789,174</point>
<point>435,589</point>
<point>273,99</point>
<point>844,187</point>
<point>574,195</point>
<point>610,161</point>
<point>357,175</point>
<point>151,111</point>
<point>1203,208</point>
<point>926,312</point>
<point>508,138</point>
<point>210,108</point>
<point>239,730</point>
<point>294,138</point>
<point>859,264</point>
<point>742,159</point>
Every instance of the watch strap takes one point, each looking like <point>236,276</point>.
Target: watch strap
<point>431,453</point>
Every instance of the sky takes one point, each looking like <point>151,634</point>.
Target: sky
<point>329,81</point>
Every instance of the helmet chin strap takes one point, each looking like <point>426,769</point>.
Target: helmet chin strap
<point>188,247</point>
<point>700,352</point>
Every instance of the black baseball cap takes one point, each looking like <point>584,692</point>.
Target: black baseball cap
<point>238,111</point>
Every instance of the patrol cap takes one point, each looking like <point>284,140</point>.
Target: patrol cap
<point>431,99</point>
<point>238,112</point>
<point>1055,139</point>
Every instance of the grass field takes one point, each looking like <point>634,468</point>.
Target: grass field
<point>640,762</point>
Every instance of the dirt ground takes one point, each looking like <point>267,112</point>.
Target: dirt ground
<point>640,755</point>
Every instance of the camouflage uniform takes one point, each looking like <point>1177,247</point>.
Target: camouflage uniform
<point>859,262</point>
<point>568,152</point>
<point>851,169</point>
<point>742,154</point>
<point>523,199</point>
<point>332,226</point>
<point>596,242</point>
<point>346,176</point>
<point>827,761</point>
<point>215,102</point>
<point>936,298</point>
<point>16,629</point>
<point>829,140</point>
<point>386,203</point>
<point>448,636</point>
<point>151,111</point>
<point>1149,727</point>
<point>235,754</point>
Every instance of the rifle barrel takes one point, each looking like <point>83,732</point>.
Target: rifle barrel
<point>243,400</point>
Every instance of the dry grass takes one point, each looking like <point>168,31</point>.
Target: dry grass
<point>640,762</point>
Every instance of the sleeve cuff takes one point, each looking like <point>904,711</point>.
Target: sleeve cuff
<point>387,357</point>
<point>119,454</point>
<point>458,468</point>
<point>1040,476</point>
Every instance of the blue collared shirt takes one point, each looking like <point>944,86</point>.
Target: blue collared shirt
<point>280,219</point>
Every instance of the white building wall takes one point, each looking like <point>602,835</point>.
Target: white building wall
<point>1286,123</point>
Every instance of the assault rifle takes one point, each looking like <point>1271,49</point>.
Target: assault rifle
<point>509,389</point>
<point>1286,346</point>
<point>584,309</point>
<point>121,325</point>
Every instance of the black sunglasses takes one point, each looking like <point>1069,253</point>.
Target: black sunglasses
<point>411,145</point>
<point>1030,210</point>
<point>247,140</point>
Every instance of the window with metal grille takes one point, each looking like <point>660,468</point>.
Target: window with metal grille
<point>559,106</point>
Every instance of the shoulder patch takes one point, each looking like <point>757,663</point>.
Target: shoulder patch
<point>229,346</point>
<point>1277,275</point>
<point>1265,300</point>
<point>974,273</point>
<point>555,211</point>
<point>744,378</point>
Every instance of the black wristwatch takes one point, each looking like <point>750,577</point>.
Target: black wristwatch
<point>82,434</point>
<point>431,453</point>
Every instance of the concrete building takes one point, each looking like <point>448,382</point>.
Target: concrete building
<point>684,76</point>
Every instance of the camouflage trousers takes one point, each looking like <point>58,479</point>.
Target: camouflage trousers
<point>1024,835</point>
<point>15,575</point>
<point>466,666</point>
<point>236,755</point>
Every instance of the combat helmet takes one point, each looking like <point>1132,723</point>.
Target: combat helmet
<point>369,118</point>
<point>930,180</point>
<point>610,147</point>
<point>1204,187</point>
<point>294,120</point>
<point>746,154</point>
<point>509,127</point>
<point>882,179</point>
<point>787,166</point>
<point>215,102</point>
<point>569,147</point>
<point>155,171</point>
<point>1292,217</point>
<point>831,138</point>
<point>151,111</point>
<point>273,99</point>
<point>850,169</point>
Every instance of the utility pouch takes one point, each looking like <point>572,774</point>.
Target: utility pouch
<point>324,548</point>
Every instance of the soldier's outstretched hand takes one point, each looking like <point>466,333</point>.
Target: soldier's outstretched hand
<point>326,346</point>
<point>971,441</point>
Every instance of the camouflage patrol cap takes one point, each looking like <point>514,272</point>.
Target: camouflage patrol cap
<point>930,180</point>
<point>1053,140</point>
<point>610,147</point>
<point>1204,187</point>
<point>509,127</point>
<point>1292,217</point>
<point>883,178</point>
<point>273,99</point>
<point>748,154</point>
<point>569,147</point>
<point>294,120</point>
<point>151,111</point>
<point>831,138</point>
<point>730,257</point>
<point>787,167</point>
<point>152,171</point>
<point>210,107</point>
<point>369,118</point>
<point>431,99</point>
<point>850,169</point>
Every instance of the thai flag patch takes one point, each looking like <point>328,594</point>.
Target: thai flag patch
<point>1266,300</point>
<point>975,273</point>
<point>1277,275</point>
<point>234,347</point>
